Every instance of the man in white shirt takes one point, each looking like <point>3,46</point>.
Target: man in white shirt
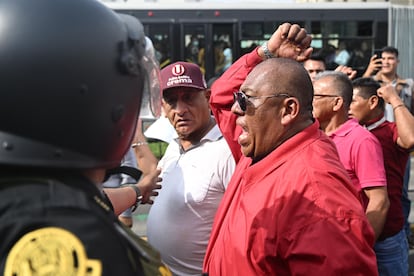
<point>196,168</point>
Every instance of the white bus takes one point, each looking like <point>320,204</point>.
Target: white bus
<point>197,30</point>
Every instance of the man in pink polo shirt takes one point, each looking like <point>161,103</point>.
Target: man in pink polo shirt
<point>359,150</point>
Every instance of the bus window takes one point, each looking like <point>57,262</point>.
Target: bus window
<point>224,53</point>
<point>161,36</point>
<point>210,45</point>
<point>194,40</point>
<point>252,30</point>
<point>353,39</point>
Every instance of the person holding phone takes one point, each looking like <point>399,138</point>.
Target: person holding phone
<point>374,65</point>
<point>378,53</point>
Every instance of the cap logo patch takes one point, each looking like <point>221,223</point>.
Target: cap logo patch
<point>177,70</point>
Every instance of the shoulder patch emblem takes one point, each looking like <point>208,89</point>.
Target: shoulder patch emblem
<point>50,251</point>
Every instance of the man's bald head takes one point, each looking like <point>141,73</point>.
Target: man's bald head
<point>283,75</point>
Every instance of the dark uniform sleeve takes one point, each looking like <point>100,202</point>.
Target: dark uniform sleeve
<point>65,230</point>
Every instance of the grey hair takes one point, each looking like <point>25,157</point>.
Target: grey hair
<point>340,83</point>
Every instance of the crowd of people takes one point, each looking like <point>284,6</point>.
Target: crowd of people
<point>278,167</point>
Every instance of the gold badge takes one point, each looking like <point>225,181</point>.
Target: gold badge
<point>50,251</point>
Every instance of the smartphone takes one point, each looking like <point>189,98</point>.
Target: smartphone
<point>378,53</point>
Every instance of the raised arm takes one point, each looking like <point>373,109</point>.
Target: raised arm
<point>402,116</point>
<point>288,41</point>
<point>221,99</point>
<point>373,67</point>
<point>147,162</point>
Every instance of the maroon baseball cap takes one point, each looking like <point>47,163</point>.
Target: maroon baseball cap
<point>182,74</point>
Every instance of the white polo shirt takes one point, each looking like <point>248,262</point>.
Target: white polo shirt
<point>180,221</point>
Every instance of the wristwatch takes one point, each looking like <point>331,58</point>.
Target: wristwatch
<point>138,194</point>
<point>266,51</point>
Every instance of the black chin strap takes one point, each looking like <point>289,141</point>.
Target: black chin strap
<point>132,172</point>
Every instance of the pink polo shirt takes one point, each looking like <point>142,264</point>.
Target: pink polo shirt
<point>361,154</point>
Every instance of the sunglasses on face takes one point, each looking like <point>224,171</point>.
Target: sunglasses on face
<point>242,99</point>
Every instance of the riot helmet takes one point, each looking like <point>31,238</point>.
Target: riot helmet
<point>72,82</point>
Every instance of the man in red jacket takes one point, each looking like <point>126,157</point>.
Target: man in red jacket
<point>290,207</point>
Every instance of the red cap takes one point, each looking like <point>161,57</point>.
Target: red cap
<point>182,74</point>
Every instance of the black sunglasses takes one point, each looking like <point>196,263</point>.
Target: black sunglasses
<point>242,98</point>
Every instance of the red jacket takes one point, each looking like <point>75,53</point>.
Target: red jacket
<point>295,212</point>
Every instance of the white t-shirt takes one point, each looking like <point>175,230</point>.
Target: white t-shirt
<point>180,221</point>
<point>162,130</point>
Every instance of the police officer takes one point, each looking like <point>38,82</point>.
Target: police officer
<point>72,80</point>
